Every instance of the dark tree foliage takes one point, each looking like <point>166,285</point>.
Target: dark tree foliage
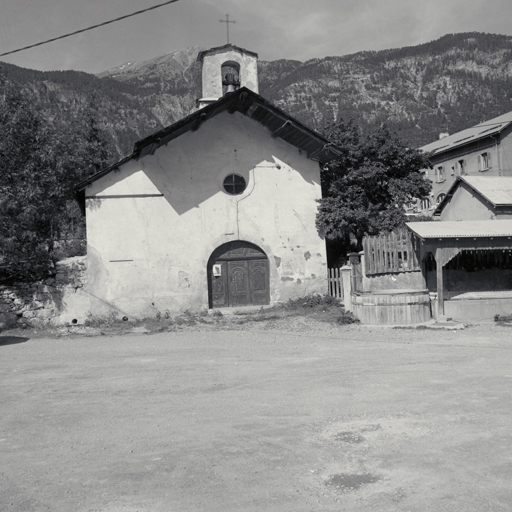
<point>40,164</point>
<point>364,190</point>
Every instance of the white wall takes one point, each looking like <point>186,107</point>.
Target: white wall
<point>148,252</point>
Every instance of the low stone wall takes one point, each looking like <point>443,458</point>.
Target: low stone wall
<point>44,302</point>
<point>483,308</point>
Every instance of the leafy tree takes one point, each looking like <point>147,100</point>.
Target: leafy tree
<point>40,163</point>
<point>364,190</point>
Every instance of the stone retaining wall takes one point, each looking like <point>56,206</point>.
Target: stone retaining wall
<point>44,302</point>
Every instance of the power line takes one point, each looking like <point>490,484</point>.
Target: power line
<point>89,28</point>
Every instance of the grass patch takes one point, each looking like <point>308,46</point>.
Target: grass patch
<point>323,308</point>
<point>112,319</point>
<point>161,322</point>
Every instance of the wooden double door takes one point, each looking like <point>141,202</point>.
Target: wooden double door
<point>238,275</point>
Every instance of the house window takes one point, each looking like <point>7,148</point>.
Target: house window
<point>440,174</point>
<point>425,203</point>
<point>440,197</point>
<point>234,184</point>
<point>461,167</point>
<point>484,161</point>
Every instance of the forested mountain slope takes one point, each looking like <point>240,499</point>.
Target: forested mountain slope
<point>419,91</point>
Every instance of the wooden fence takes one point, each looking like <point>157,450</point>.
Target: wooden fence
<point>335,282</point>
<point>390,253</point>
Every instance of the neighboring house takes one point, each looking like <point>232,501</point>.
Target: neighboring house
<point>217,210</point>
<point>477,198</point>
<point>484,149</point>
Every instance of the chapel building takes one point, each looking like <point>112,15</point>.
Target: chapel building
<point>217,210</point>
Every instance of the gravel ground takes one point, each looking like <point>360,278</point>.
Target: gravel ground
<point>286,415</point>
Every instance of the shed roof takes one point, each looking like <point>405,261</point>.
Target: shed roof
<point>462,229</point>
<point>484,129</point>
<point>248,103</point>
<point>495,189</point>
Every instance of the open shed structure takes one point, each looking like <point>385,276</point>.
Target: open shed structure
<point>468,264</point>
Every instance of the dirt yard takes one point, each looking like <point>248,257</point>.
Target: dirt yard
<point>349,418</point>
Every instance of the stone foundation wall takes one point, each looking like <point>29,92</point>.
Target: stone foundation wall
<point>44,302</point>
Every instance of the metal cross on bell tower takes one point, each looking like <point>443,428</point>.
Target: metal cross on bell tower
<point>227,22</point>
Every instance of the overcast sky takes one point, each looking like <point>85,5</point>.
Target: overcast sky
<point>275,29</point>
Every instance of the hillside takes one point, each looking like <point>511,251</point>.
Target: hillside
<point>419,91</point>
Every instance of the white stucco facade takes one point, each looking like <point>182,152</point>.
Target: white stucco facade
<point>153,224</point>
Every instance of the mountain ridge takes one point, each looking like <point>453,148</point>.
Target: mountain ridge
<point>445,85</point>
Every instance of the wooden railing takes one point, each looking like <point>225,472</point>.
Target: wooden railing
<point>390,253</point>
<point>335,282</point>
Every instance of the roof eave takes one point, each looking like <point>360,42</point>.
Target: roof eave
<point>201,54</point>
<point>440,207</point>
<point>103,172</point>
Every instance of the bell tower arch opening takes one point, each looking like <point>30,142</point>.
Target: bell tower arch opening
<point>225,69</point>
<point>230,73</point>
<point>238,275</point>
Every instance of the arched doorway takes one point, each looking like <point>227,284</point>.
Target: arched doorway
<point>238,275</point>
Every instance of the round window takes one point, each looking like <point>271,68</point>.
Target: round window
<point>234,184</point>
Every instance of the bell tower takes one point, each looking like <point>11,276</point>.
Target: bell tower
<point>225,69</point>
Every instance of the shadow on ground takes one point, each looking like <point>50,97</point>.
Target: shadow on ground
<point>12,340</point>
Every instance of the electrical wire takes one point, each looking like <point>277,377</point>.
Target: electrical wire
<point>88,28</point>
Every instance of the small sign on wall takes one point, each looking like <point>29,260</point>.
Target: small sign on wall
<point>217,270</point>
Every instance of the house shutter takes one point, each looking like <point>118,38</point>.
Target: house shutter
<point>479,163</point>
<point>489,163</point>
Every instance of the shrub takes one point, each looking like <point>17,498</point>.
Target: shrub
<point>503,318</point>
<point>311,301</point>
<point>346,317</point>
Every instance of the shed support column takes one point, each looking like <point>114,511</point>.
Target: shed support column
<point>440,291</point>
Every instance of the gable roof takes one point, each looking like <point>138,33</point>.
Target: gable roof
<point>228,46</point>
<point>479,131</point>
<point>461,228</point>
<point>495,189</point>
<point>248,103</point>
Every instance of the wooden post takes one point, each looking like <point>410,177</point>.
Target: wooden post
<point>357,278</point>
<point>346,272</point>
<point>363,270</point>
<point>440,294</point>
